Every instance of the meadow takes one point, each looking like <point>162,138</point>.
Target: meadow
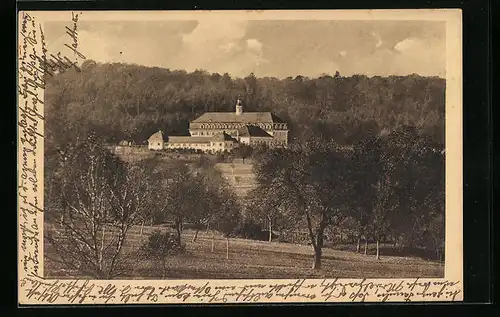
<point>249,259</point>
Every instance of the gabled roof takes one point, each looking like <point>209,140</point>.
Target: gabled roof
<point>155,137</point>
<point>251,130</point>
<point>276,119</point>
<point>223,136</point>
<point>232,117</point>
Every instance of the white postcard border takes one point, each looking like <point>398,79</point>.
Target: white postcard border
<point>36,290</point>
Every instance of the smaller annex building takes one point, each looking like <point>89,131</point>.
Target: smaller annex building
<point>218,143</point>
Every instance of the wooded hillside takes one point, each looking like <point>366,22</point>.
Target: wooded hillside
<point>121,101</point>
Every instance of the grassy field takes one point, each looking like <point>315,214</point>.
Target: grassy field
<point>250,259</point>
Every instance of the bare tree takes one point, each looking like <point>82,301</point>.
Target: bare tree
<point>211,185</point>
<point>265,205</point>
<point>181,197</point>
<point>100,199</point>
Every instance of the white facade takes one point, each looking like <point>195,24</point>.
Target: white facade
<point>156,141</point>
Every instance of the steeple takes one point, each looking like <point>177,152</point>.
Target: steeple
<point>239,107</point>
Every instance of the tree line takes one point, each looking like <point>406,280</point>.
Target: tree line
<point>130,102</point>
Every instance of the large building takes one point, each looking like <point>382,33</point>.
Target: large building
<point>223,131</point>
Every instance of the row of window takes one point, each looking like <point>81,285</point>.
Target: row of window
<point>228,128</point>
<point>232,126</point>
<point>271,142</point>
<point>260,142</point>
<point>220,144</point>
<point>188,145</point>
<point>211,133</point>
<point>206,133</point>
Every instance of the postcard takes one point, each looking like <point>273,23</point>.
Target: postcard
<point>208,157</point>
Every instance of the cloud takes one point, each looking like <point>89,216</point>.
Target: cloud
<point>222,46</point>
<point>405,44</point>
<point>378,39</point>
<point>267,48</point>
<point>412,55</point>
<point>214,37</point>
<point>211,44</point>
<point>254,45</point>
<point>229,47</point>
<point>215,31</point>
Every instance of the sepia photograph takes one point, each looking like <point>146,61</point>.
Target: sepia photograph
<point>239,146</point>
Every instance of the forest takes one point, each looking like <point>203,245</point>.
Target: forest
<point>386,185</point>
<point>130,102</point>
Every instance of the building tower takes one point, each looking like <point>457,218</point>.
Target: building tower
<point>239,107</point>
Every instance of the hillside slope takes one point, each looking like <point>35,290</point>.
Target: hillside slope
<point>239,175</point>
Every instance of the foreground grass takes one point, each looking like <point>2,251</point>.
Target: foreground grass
<point>250,259</point>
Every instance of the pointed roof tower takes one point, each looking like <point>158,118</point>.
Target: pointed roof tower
<point>239,107</point>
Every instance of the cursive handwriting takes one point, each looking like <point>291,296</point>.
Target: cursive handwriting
<point>52,63</point>
<point>30,134</point>
<point>104,292</point>
<point>35,61</point>
<point>72,32</point>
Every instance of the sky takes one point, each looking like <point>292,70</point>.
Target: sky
<point>274,48</point>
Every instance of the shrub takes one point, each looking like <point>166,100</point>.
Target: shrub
<point>161,244</point>
<point>250,230</point>
<point>294,236</point>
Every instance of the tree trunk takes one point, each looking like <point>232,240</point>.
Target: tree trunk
<point>270,231</point>
<point>378,251</point>
<point>410,242</point>
<point>357,246</point>
<point>142,227</point>
<point>213,241</point>
<point>227,248</point>
<point>163,257</point>
<point>101,251</point>
<point>319,243</point>
<point>164,267</point>
<point>178,227</point>
<point>366,247</point>
<point>103,236</point>
<point>317,259</point>
<point>208,227</point>
<point>195,235</point>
